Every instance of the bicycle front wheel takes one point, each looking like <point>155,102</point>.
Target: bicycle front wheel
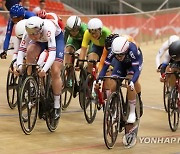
<point>28,104</point>
<point>12,87</point>
<point>111,121</point>
<point>165,96</point>
<point>68,85</point>
<point>90,103</point>
<point>173,112</point>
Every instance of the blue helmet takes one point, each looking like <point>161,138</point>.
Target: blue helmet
<point>17,11</point>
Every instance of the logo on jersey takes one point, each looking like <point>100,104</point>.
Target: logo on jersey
<point>23,42</point>
<point>132,55</point>
<point>60,54</point>
<point>110,54</point>
<point>48,33</point>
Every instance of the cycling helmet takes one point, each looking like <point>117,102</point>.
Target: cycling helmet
<point>120,45</point>
<point>174,50</point>
<point>73,22</point>
<point>94,24</point>
<point>172,39</point>
<point>34,25</point>
<point>109,40</point>
<point>42,14</point>
<point>17,11</point>
<point>20,28</point>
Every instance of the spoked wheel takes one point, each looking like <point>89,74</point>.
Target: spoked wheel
<point>28,105</point>
<point>90,103</point>
<point>82,82</point>
<point>68,76</point>
<point>51,122</point>
<point>11,87</point>
<point>111,120</point>
<point>165,96</point>
<point>173,112</point>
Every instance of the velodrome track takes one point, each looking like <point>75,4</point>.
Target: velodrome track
<point>75,136</point>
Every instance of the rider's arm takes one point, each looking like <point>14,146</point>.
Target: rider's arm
<point>161,52</point>
<point>8,35</point>
<point>52,51</point>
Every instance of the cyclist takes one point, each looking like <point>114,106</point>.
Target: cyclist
<point>73,36</point>
<point>128,61</point>
<point>164,51</point>
<point>96,33</point>
<point>17,13</point>
<point>44,34</point>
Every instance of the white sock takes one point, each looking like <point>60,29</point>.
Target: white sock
<point>132,105</point>
<point>56,101</point>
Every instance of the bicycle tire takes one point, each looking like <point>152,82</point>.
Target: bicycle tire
<point>111,122</point>
<point>90,107</point>
<point>11,87</point>
<point>68,75</point>
<point>28,105</point>
<point>173,113</point>
<point>83,75</point>
<point>165,96</point>
<point>51,123</point>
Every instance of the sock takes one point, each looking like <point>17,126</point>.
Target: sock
<point>56,101</point>
<point>132,105</point>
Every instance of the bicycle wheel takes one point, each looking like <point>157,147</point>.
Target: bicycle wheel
<point>165,96</point>
<point>173,113</point>
<point>28,104</point>
<point>11,87</point>
<point>83,75</point>
<point>111,122</point>
<point>68,76</point>
<point>51,122</point>
<point>90,103</point>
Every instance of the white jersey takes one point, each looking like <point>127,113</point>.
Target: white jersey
<point>164,50</point>
<point>51,29</point>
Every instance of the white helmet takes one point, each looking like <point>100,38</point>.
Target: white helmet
<point>120,45</point>
<point>172,39</point>
<point>34,25</point>
<point>20,28</point>
<point>73,22</point>
<point>95,23</point>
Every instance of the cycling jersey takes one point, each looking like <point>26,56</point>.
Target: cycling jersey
<point>51,39</point>
<point>132,63</point>
<point>100,42</point>
<point>79,36</point>
<point>10,26</point>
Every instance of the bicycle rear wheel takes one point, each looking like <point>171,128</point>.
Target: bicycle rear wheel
<point>28,104</point>
<point>165,96</point>
<point>90,103</point>
<point>12,87</point>
<point>51,122</point>
<point>173,113</point>
<point>111,121</point>
<point>83,75</point>
<point>68,76</point>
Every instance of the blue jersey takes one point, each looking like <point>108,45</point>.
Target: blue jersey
<point>132,61</point>
<point>10,26</point>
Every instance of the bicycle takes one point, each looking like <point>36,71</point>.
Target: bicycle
<point>174,103</point>
<point>94,98</point>
<point>116,114</point>
<point>36,98</point>
<point>70,82</point>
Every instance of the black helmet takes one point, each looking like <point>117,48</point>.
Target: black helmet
<point>174,50</point>
<point>109,39</point>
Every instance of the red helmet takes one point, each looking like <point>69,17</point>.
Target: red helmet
<point>42,14</point>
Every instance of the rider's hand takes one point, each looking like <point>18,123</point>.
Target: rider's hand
<point>131,85</point>
<point>98,84</point>
<point>42,73</point>
<point>162,77</point>
<point>3,54</point>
